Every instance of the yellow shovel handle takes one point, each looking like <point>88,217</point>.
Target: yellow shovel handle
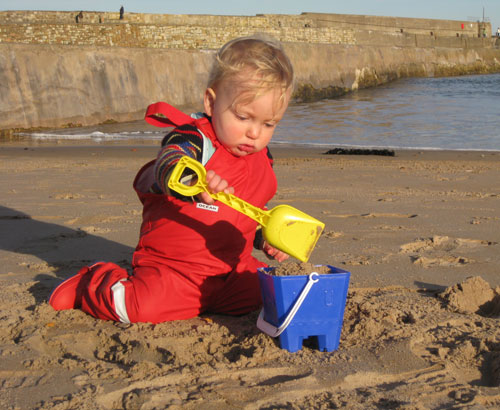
<point>200,185</point>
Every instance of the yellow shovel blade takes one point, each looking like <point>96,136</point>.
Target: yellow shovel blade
<point>292,231</point>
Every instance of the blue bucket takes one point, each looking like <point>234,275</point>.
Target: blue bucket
<point>298,307</point>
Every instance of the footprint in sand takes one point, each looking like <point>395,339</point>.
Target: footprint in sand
<point>442,243</point>
<point>440,261</point>
<point>476,220</point>
<point>332,234</point>
<point>390,227</point>
<point>94,229</point>
<point>389,215</point>
<point>49,243</point>
<point>374,215</point>
<point>351,260</point>
<point>437,251</point>
<point>67,196</point>
<point>38,267</point>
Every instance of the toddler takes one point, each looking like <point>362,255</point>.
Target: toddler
<point>194,254</point>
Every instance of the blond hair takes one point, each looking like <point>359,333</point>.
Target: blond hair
<point>255,65</point>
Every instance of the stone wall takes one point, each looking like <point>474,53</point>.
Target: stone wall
<point>210,32</point>
<point>161,36</point>
<point>312,20</point>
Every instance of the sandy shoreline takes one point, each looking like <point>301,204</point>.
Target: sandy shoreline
<point>406,227</point>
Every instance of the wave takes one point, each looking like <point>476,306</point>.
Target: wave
<point>96,136</point>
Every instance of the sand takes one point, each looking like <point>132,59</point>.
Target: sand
<point>419,232</point>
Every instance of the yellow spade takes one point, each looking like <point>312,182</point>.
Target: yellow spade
<point>284,227</point>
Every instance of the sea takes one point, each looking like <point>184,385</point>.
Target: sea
<point>447,113</point>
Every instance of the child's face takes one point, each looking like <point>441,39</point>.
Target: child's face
<point>244,128</point>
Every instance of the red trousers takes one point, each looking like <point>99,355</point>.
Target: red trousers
<point>158,293</point>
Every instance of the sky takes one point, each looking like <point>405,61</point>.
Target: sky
<point>464,10</point>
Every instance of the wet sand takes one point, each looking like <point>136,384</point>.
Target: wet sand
<point>411,229</point>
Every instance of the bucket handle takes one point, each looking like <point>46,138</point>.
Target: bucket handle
<point>274,331</point>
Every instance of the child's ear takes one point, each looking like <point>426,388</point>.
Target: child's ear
<point>209,101</point>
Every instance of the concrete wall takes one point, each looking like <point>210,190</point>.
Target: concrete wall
<point>54,72</point>
<point>45,86</point>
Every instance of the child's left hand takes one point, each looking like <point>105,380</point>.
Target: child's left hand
<point>274,253</point>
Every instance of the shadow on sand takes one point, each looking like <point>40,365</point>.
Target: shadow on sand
<point>63,249</point>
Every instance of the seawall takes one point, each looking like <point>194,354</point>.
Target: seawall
<point>46,83</point>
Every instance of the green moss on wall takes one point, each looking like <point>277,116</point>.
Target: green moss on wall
<point>307,93</point>
<point>462,69</point>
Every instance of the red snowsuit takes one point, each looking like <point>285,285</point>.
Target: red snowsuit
<point>190,258</point>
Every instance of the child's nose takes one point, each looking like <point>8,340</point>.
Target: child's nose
<point>253,131</point>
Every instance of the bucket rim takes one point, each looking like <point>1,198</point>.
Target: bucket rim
<point>333,270</point>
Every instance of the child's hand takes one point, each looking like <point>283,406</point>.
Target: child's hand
<point>215,184</point>
<point>274,253</point>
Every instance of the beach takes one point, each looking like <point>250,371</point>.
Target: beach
<point>419,232</point>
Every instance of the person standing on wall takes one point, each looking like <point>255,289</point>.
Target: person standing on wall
<point>122,11</point>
